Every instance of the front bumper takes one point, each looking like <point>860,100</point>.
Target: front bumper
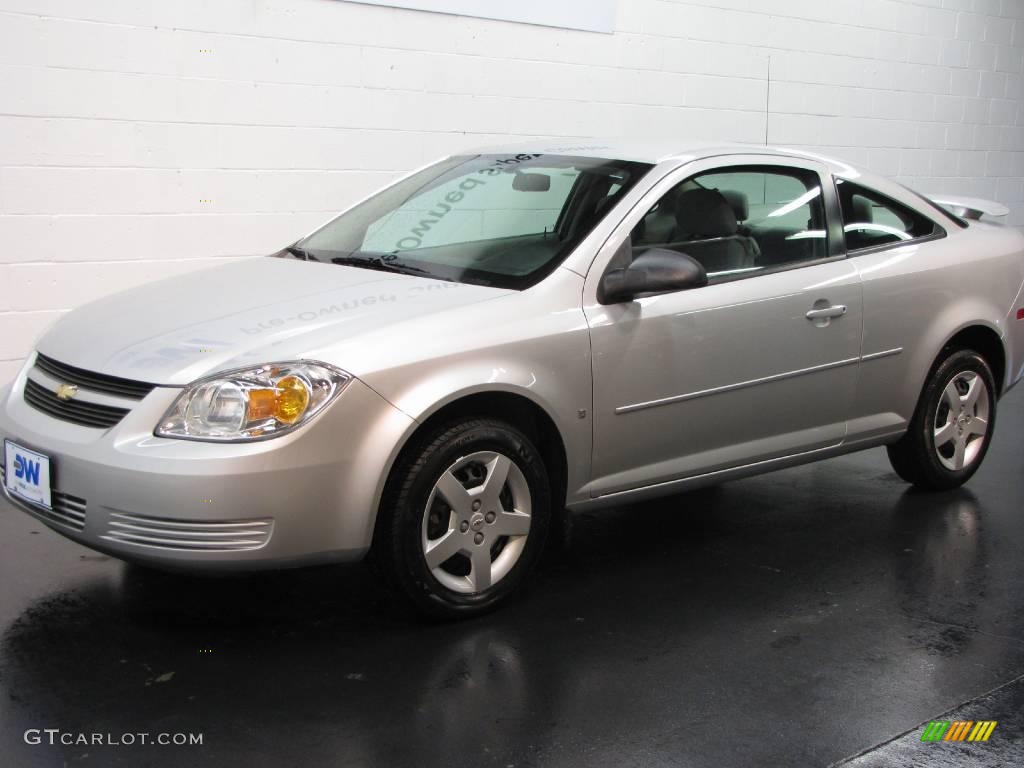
<point>306,497</point>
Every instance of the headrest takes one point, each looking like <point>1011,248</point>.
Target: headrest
<point>738,201</point>
<point>704,213</point>
<point>862,213</point>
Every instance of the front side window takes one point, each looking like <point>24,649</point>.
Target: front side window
<point>499,220</point>
<point>740,220</point>
<point>871,219</point>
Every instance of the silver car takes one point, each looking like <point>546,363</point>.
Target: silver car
<point>436,373</point>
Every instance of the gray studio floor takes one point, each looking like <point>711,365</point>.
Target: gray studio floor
<point>796,619</point>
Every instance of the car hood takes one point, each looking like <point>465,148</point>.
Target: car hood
<point>246,312</point>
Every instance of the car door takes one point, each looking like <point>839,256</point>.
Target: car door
<point>760,363</point>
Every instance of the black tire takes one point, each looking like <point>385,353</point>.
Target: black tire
<point>398,549</point>
<point>914,457</point>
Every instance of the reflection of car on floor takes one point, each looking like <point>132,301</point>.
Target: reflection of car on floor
<point>432,374</point>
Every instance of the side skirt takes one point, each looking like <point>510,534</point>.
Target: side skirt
<point>693,482</point>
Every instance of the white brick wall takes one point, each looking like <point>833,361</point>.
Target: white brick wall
<point>119,117</point>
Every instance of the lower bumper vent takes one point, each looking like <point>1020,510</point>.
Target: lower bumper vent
<point>188,535</point>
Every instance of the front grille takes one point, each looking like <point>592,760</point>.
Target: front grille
<point>67,510</point>
<point>75,411</point>
<point>194,535</point>
<point>96,382</point>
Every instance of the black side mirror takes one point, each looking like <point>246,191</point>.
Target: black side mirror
<point>656,270</point>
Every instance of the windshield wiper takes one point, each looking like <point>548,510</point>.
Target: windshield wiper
<point>376,262</point>
<point>301,254</point>
<point>366,262</point>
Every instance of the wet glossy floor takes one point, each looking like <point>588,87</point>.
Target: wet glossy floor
<point>793,619</point>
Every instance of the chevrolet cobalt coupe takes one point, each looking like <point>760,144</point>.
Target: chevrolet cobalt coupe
<point>434,374</point>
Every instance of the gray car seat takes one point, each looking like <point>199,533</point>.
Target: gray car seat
<point>706,229</point>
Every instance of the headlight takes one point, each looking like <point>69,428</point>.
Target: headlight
<point>252,403</point>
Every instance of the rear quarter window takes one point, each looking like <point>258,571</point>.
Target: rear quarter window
<point>870,219</point>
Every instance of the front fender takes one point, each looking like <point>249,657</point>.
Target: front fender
<point>553,380</point>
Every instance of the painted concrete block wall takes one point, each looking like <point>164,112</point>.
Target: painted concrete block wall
<point>141,139</point>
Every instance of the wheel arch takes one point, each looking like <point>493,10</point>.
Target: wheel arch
<point>984,339</point>
<point>958,326</point>
<point>495,400</point>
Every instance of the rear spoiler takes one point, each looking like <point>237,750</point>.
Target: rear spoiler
<point>969,207</point>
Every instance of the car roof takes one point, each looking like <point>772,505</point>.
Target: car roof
<point>652,151</point>
<point>682,152</point>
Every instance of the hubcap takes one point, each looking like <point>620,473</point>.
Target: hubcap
<point>961,421</point>
<point>476,522</point>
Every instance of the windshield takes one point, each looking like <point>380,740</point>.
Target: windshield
<point>499,220</point>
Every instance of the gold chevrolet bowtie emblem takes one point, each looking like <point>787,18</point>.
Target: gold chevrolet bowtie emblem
<point>66,391</point>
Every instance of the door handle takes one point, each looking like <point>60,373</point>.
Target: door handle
<point>836,310</point>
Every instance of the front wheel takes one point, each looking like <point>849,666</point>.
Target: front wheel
<point>464,517</point>
<point>952,425</point>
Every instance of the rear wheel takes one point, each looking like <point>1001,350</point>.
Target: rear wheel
<point>952,425</point>
<point>464,517</point>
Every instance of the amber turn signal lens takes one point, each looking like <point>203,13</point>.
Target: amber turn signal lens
<point>262,404</point>
<point>292,399</point>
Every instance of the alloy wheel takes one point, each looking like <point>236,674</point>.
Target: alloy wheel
<point>476,522</point>
<point>961,421</point>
